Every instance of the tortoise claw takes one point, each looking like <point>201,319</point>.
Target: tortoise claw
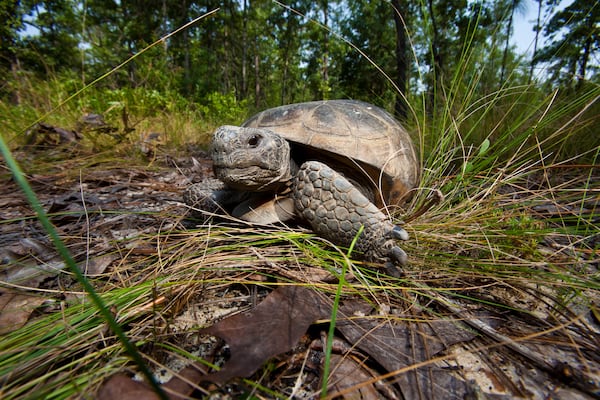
<point>399,233</point>
<point>397,259</point>
<point>398,256</point>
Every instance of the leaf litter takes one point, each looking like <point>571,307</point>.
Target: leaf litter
<point>125,226</point>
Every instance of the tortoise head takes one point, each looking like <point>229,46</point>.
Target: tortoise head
<point>251,159</point>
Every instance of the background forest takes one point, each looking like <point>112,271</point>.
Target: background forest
<point>420,58</point>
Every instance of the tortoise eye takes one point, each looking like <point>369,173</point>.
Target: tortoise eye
<point>254,140</point>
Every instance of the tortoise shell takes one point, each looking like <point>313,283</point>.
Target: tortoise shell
<point>365,139</point>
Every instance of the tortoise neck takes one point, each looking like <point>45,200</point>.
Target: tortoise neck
<point>294,168</point>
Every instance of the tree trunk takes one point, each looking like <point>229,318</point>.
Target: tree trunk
<point>15,68</point>
<point>438,62</point>
<point>325,60</point>
<point>187,73</point>
<point>586,53</point>
<point>400,105</point>
<point>538,29</point>
<point>507,41</point>
<point>287,51</point>
<point>256,76</point>
<point>244,49</point>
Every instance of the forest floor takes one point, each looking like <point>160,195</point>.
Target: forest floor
<point>126,226</point>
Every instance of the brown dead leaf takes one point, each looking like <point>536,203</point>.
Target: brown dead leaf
<point>15,310</point>
<point>123,388</point>
<point>346,373</point>
<point>28,261</point>
<point>396,345</point>
<point>97,265</point>
<point>271,328</point>
<point>44,134</point>
<point>27,275</point>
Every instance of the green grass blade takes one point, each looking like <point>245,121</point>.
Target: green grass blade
<point>68,259</point>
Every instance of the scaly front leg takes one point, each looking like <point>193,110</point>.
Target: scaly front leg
<point>336,210</point>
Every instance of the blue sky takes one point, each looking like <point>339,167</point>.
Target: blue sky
<point>523,35</point>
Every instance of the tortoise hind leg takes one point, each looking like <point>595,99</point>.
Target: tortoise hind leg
<point>336,210</point>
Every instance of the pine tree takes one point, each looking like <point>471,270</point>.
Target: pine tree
<point>575,38</point>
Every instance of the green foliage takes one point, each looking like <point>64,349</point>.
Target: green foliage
<point>55,47</point>
<point>363,27</point>
<point>10,14</point>
<point>575,35</point>
<point>224,108</point>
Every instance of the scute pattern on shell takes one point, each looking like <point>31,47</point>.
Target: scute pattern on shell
<point>352,129</point>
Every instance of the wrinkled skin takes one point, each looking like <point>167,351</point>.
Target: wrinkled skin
<point>258,181</point>
<point>248,159</point>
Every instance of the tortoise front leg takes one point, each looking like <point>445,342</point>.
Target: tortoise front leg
<point>212,196</point>
<point>336,210</point>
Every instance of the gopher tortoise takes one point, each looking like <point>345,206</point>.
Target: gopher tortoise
<point>332,164</point>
